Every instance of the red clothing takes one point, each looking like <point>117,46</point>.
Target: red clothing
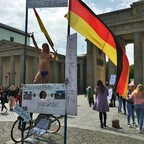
<point>19,100</point>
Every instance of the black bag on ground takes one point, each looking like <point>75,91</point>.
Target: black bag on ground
<point>115,123</point>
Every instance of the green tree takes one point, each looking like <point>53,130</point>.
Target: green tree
<point>131,74</point>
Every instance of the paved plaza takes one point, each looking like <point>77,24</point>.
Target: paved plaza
<point>87,119</point>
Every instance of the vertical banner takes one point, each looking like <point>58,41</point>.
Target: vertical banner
<point>71,74</point>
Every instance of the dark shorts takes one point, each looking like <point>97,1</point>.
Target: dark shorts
<point>44,73</point>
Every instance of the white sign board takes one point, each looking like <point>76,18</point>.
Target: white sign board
<point>44,98</point>
<point>71,74</point>
<point>46,3</point>
<point>112,79</point>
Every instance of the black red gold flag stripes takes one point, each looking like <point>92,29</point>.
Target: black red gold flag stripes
<point>86,22</point>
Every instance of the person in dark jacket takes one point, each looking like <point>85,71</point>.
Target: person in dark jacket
<point>3,99</point>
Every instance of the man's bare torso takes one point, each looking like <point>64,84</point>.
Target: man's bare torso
<point>44,61</point>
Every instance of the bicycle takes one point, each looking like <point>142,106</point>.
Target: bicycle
<point>20,126</point>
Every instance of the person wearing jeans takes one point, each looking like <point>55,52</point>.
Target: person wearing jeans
<point>138,98</point>
<point>119,104</point>
<point>130,107</point>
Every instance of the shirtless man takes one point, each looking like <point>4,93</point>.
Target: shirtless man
<point>45,57</point>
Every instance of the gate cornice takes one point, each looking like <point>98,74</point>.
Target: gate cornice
<point>127,21</point>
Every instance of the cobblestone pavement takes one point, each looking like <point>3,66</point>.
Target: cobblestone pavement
<point>88,119</point>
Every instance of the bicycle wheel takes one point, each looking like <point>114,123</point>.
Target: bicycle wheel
<point>55,125</point>
<point>16,131</point>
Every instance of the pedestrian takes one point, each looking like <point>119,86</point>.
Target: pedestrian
<point>110,91</point>
<point>19,98</point>
<point>101,102</point>
<point>45,57</point>
<point>3,99</point>
<point>138,98</point>
<point>130,107</point>
<point>119,103</point>
<point>12,97</point>
<point>124,105</point>
<point>90,96</point>
<point>19,95</point>
<point>113,99</point>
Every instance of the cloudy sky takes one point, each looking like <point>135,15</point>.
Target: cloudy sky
<point>13,14</point>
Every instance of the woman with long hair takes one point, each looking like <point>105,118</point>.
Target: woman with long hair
<point>138,98</point>
<point>101,102</point>
<point>12,97</point>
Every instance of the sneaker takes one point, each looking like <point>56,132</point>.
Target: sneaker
<point>140,131</point>
<point>129,125</point>
<point>134,125</point>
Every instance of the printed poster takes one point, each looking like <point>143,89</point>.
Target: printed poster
<point>44,98</point>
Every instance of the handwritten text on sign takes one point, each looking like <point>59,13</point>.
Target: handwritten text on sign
<point>46,3</point>
<point>44,98</point>
<point>71,74</point>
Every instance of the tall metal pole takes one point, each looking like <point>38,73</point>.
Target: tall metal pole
<point>65,120</point>
<point>24,76</point>
<point>25,46</point>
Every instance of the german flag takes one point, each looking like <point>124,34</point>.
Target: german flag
<point>121,84</point>
<point>43,28</point>
<point>87,23</point>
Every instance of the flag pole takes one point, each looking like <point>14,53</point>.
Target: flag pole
<point>25,46</point>
<point>24,73</point>
<point>65,120</point>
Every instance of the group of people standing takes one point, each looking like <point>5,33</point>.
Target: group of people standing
<point>9,95</point>
<point>133,103</point>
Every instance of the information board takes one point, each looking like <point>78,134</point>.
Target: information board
<point>46,3</point>
<point>44,98</point>
<point>112,79</point>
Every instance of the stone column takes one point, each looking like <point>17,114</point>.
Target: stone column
<point>89,64</point>
<point>12,70</point>
<point>142,55</point>
<point>54,72</point>
<point>21,69</point>
<point>94,65</point>
<point>1,70</point>
<point>138,64</point>
<point>111,69</point>
<point>81,77</point>
<point>35,67</point>
<point>62,73</point>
